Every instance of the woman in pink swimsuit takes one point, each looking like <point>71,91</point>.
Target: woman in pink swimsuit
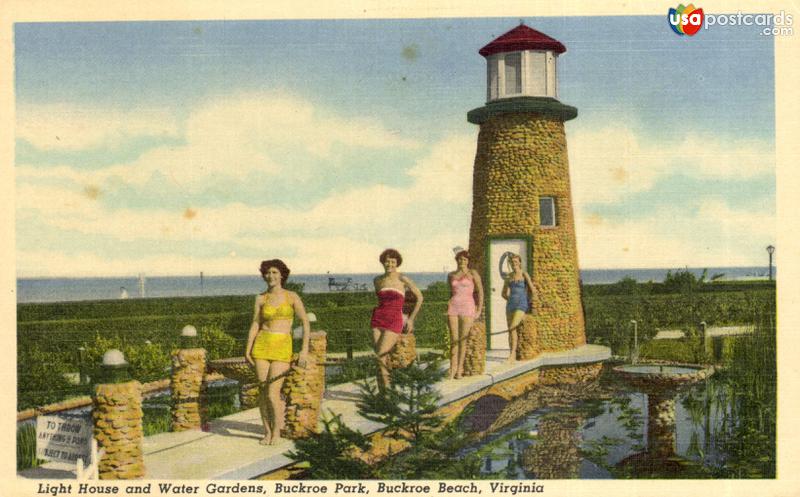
<point>387,318</point>
<point>461,310</point>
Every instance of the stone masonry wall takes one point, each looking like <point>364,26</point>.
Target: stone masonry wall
<point>117,416</point>
<point>529,343</point>
<point>518,390</point>
<point>188,389</point>
<point>475,358</point>
<point>303,390</point>
<point>404,352</point>
<point>569,375</point>
<point>520,158</point>
<point>318,348</point>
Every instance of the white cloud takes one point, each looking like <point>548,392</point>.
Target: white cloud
<point>231,137</point>
<point>755,224</point>
<point>69,127</point>
<point>281,118</point>
<point>609,162</point>
<point>446,172</point>
<point>225,137</point>
<point>443,175</point>
<point>715,236</point>
<point>365,218</point>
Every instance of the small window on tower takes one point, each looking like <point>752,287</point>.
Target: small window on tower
<point>513,63</point>
<point>547,211</point>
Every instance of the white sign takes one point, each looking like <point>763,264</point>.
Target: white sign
<point>63,439</point>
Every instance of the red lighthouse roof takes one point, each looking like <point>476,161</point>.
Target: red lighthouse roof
<point>522,38</point>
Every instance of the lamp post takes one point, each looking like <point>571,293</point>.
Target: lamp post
<point>770,251</point>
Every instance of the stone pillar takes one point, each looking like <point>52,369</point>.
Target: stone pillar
<point>248,395</point>
<point>188,389</point>
<point>475,360</point>
<point>404,352</point>
<point>556,454</point>
<point>318,348</point>
<point>187,385</point>
<point>303,389</point>
<point>117,416</point>
<point>661,425</point>
<point>528,346</point>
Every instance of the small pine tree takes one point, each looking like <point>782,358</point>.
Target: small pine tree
<point>408,409</point>
<point>331,454</point>
<point>408,406</point>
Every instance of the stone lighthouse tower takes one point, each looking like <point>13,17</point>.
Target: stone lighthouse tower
<point>521,199</point>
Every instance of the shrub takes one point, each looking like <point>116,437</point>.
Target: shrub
<point>217,343</point>
<point>40,379</point>
<point>330,454</point>
<point>156,419</point>
<point>438,290</point>
<point>686,350</point>
<point>148,361</point>
<point>683,281</point>
<point>26,447</point>
<point>627,286</point>
<point>358,369</point>
<point>752,378</point>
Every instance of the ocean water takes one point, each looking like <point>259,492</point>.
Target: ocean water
<point>74,289</point>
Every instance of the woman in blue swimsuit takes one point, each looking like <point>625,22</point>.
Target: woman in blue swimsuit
<point>518,292</point>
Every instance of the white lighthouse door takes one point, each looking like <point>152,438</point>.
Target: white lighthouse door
<point>498,267</point>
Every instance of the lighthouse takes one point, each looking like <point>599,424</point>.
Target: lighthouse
<point>521,200</point>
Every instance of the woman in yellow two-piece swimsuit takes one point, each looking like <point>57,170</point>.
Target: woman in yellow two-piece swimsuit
<point>269,344</point>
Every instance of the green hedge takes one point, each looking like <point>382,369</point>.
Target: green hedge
<point>48,335</point>
<point>49,339</point>
<point>161,320</point>
<point>173,306</point>
<point>685,350</point>
<point>628,286</point>
<point>103,309</point>
<point>608,317</point>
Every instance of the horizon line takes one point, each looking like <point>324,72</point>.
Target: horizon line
<point>331,273</point>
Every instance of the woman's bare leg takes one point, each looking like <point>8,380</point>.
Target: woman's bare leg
<point>464,326</point>
<point>514,318</point>
<point>385,345</point>
<point>452,325</point>
<point>376,338</point>
<point>277,373</point>
<point>376,342</point>
<point>262,372</point>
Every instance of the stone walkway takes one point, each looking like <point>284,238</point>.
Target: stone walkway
<point>230,449</point>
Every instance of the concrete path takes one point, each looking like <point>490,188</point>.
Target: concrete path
<point>711,331</point>
<point>669,334</point>
<point>726,331</point>
<point>230,449</point>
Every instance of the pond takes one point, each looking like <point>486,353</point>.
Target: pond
<point>619,432</point>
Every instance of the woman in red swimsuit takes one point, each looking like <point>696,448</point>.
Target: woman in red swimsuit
<point>461,310</point>
<point>387,318</point>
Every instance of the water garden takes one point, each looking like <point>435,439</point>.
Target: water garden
<point>721,426</point>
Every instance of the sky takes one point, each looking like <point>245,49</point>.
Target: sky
<point>171,148</point>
